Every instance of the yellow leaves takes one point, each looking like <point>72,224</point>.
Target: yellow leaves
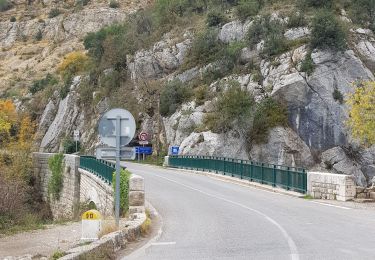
<point>362,113</point>
<point>73,63</point>
<point>7,115</point>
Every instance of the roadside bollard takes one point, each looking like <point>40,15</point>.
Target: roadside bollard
<point>91,225</point>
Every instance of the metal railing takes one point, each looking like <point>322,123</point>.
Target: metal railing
<point>100,168</point>
<point>290,178</point>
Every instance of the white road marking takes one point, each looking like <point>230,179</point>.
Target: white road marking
<point>292,245</point>
<point>163,243</point>
<point>330,205</point>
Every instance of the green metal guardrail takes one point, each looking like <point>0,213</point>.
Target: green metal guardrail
<point>290,178</point>
<point>100,168</point>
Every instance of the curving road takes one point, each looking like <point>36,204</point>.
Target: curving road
<point>205,218</point>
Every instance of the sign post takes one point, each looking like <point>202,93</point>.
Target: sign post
<point>76,138</point>
<point>143,136</point>
<point>116,129</point>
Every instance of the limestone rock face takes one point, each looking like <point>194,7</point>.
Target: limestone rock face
<point>234,31</point>
<point>313,112</point>
<point>284,147</point>
<point>162,59</point>
<point>64,122</point>
<point>211,144</point>
<point>297,33</point>
<point>337,160</point>
<point>182,123</point>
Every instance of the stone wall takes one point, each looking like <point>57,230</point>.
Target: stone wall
<point>96,190</point>
<point>331,186</point>
<point>68,204</point>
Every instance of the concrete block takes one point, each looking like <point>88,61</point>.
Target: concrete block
<point>136,198</point>
<point>136,183</point>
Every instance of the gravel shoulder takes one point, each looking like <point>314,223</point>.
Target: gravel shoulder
<point>41,243</point>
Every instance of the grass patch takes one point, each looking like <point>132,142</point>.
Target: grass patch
<point>308,197</point>
<point>146,225</point>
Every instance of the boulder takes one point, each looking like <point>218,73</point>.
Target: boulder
<point>284,147</point>
<point>234,31</point>
<point>337,160</point>
<point>231,145</point>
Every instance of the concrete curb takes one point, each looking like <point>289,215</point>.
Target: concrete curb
<point>110,244</point>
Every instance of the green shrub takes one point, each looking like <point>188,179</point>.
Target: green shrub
<point>363,13</point>
<point>114,4</point>
<point>307,64</point>
<point>38,36</point>
<point>268,115</point>
<point>232,109</point>
<point>317,3</point>
<point>69,145</point>
<point>272,32</point>
<point>124,190</point>
<point>296,19</point>
<point>205,47</point>
<point>172,96</point>
<point>57,254</point>
<point>201,94</point>
<point>337,96</point>
<point>5,5</point>
<point>13,19</point>
<point>327,32</point>
<point>215,18</point>
<point>247,8</point>
<point>41,84</point>
<point>54,12</point>
<point>55,184</point>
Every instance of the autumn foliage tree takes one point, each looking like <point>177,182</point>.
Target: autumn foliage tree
<point>17,203</point>
<point>362,113</point>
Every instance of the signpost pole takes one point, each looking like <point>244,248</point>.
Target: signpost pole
<point>117,202</point>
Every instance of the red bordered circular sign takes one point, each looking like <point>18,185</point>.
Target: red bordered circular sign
<point>143,136</point>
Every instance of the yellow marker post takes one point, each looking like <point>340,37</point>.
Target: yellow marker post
<point>91,225</point>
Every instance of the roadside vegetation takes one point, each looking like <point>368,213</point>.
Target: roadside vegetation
<point>362,113</point>
<point>21,204</point>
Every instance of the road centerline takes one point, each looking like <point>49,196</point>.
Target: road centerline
<point>292,245</point>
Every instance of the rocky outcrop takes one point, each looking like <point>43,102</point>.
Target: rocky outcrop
<point>210,144</point>
<point>234,31</point>
<point>338,161</point>
<point>313,111</point>
<point>64,123</point>
<point>297,33</point>
<point>60,28</point>
<point>284,147</point>
<point>161,60</point>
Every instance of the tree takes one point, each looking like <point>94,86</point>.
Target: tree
<point>362,113</point>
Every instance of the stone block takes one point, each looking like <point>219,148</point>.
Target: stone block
<point>136,198</point>
<point>136,183</point>
<point>136,209</point>
<point>361,195</point>
<point>372,195</point>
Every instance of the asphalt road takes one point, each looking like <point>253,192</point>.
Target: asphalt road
<point>205,218</point>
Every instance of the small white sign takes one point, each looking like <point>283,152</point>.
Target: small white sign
<point>76,135</point>
<point>91,225</point>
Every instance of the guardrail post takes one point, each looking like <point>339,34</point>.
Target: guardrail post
<point>262,173</point>
<point>288,184</point>
<point>241,169</point>
<point>274,176</point>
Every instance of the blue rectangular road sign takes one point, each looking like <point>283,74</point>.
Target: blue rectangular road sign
<point>143,150</point>
<point>175,150</point>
